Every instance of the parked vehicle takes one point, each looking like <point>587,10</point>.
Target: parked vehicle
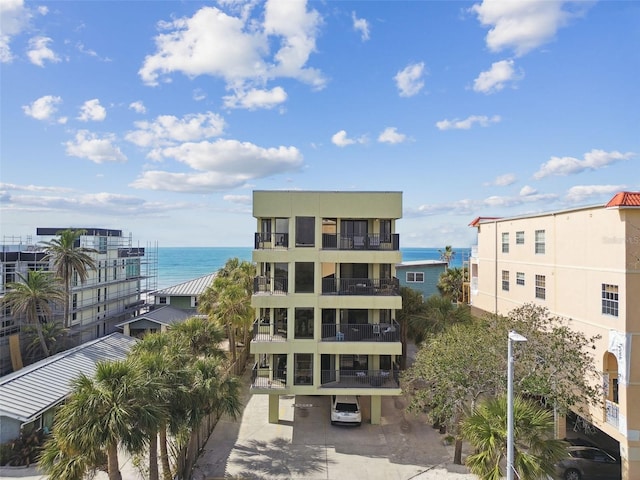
<point>588,463</point>
<point>345,409</point>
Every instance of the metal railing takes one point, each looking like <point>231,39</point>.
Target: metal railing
<point>361,332</point>
<point>360,286</point>
<point>360,379</point>
<point>263,331</point>
<point>266,377</point>
<point>268,240</point>
<point>370,241</point>
<point>267,285</point>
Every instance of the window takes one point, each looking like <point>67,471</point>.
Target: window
<point>303,322</point>
<point>519,238</point>
<point>385,230</point>
<point>303,372</point>
<point>505,242</point>
<point>540,245</point>
<point>610,299</point>
<point>519,278</point>
<point>304,277</point>
<point>505,280</point>
<point>305,231</point>
<point>415,277</point>
<point>115,269</point>
<point>162,300</point>
<point>541,290</point>
<point>99,271</point>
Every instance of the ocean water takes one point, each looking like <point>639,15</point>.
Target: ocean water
<point>180,264</point>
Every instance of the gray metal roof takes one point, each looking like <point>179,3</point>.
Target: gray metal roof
<point>27,393</point>
<point>167,315</point>
<point>415,263</point>
<point>189,288</point>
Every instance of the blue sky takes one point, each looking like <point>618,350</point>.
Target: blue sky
<point>160,118</point>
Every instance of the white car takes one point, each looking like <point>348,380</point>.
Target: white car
<point>345,409</point>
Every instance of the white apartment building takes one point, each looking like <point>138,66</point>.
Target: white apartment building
<point>583,264</point>
<point>326,295</point>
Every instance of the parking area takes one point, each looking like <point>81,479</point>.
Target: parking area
<point>304,444</point>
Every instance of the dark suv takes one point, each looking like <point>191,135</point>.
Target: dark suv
<point>588,463</point>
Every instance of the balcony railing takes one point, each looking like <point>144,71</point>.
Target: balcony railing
<point>370,241</point>
<point>268,240</point>
<point>361,332</point>
<point>612,413</point>
<point>360,379</point>
<point>360,286</point>
<point>267,285</point>
<point>263,331</point>
<point>266,377</point>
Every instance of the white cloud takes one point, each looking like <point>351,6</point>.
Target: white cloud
<point>495,79</point>
<point>593,160</point>
<point>239,199</point>
<point>91,110</point>
<point>360,25</point>
<point>199,95</point>
<point>168,130</point>
<point>467,123</point>
<point>527,190</point>
<point>502,180</point>
<point>14,17</point>
<point>219,165</point>
<point>39,51</point>
<point>458,207</point>
<point>43,108</point>
<point>507,201</point>
<point>524,25</point>
<point>256,98</point>
<point>138,107</point>
<point>99,150</point>
<point>43,10</point>
<point>409,80</point>
<point>391,135</point>
<point>341,139</point>
<point>33,188</point>
<point>580,193</point>
<point>238,48</point>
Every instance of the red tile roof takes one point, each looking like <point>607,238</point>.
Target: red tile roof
<point>476,221</point>
<point>625,199</point>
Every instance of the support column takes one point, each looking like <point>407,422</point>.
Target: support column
<point>274,408</point>
<point>376,409</point>
<point>561,426</point>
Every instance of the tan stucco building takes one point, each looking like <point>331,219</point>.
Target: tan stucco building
<point>326,295</point>
<point>583,264</point>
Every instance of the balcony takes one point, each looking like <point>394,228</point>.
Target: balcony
<point>268,241</point>
<point>267,378</point>
<point>361,286</point>
<point>612,412</point>
<point>370,241</point>
<point>361,332</point>
<point>474,251</point>
<point>268,286</point>
<point>263,331</point>
<point>360,379</point>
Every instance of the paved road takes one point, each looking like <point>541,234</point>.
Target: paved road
<point>304,445</point>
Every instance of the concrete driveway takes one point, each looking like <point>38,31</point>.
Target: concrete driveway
<point>304,445</point>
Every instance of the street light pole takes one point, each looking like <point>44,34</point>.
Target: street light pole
<point>513,337</point>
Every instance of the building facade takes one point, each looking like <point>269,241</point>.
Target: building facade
<point>113,292</point>
<point>583,264</point>
<point>421,275</point>
<point>326,295</point>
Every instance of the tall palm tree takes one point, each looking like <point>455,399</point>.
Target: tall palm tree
<point>447,254</point>
<point>450,283</point>
<point>103,412</point>
<point>67,258</point>
<point>535,450</point>
<point>31,298</point>
<point>198,336</point>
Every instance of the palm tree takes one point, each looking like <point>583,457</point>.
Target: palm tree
<point>439,313</point>
<point>447,254</point>
<point>535,450</point>
<point>67,259</point>
<point>199,336</point>
<point>450,283</point>
<point>54,334</point>
<point>412,307</point>
<point>103,412</point>
<point>31,298</point>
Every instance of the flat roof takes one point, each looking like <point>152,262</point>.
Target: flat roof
<point>415,263</point>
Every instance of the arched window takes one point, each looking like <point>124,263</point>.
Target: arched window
<point>610,373</point>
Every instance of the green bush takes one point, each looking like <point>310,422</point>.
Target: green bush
<point>24,450</point>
